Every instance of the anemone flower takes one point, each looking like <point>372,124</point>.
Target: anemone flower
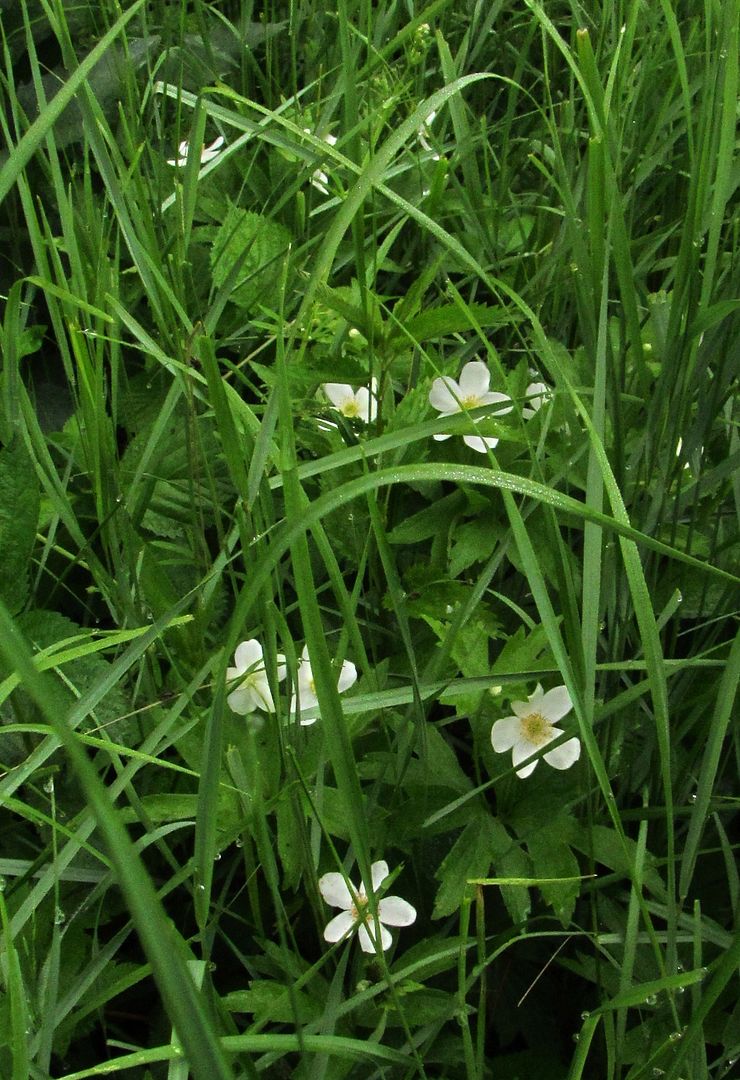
<point>356,914</point>
<point>359,404</point>
<point>307,690</point>
<point>253,691</point>
<point>532,727</point>
<point>450,397</point>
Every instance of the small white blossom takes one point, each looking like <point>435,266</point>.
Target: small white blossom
<point>253,691</point>
<point>532,727</point>
<point>207,153</point>
<point>537,393</point>
<point>359,404</point>
<point>450,397</point>
<point>307,690</point>
<point>319,179</point>
<point>356,915</point>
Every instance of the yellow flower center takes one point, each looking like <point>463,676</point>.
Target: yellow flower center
<point>350,408</point>
<point>472,401</point>
<point>359,911</point>
<point>536,729</point>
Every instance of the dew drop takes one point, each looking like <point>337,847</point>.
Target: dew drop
<point>212,965</point>
<point>576,1037</point>
<point>201,887</point>
<point>651,999</point>
<point>217,856</point>
<point>693,797</point>
<point>2,884</point>
<point>675,1036</point>
<point>585,1015</point>
<point>49,786</point>
<point>238,842</point>
<point>59,917</point>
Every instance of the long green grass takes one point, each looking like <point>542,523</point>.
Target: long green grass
<point>547,188</point>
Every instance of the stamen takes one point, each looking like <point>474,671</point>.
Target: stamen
<point>537,729</point>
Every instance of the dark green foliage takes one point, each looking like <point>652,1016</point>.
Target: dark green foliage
<point>176,478</point>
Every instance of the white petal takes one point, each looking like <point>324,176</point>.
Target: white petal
<point>304,676</point>
<point>248,655</point>
<point>520,752</point>
<point>562,757</point>
<point>362,401</point>
<point>263,694</point>
<point>441,438</point>
<point>366,943</point>
<point>320,181</point>
<point>505,733</point>
<point>367,934</point>
<point>339,394</point>
<point>523,708</point>
<point>242,701</point>
<point>536,393</point>
<point>493,397</point>
<point>555,704</point>
<point>531,705</point>
<point>339,927</point>
<point>378,872</point>
<point>208,153</point>
<point>445,395</point>
<point>480,443</point>
<point>475,379</point>
<point>334,890</point>
<point>347,676</point>
<point>282,667</point>
<point>395,911</point>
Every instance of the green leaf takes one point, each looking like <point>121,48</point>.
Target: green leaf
<point>248,252</point>
<point>553,858</point>
<point>19,515</point>
<point>469,857</point>
<point>449,319</point>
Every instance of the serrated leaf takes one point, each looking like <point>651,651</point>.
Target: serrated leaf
<point>249,249</point>
<point>448,319</point>
<point>19,515</point>
<point>473,541</point>
<point>552,858</point>
<point>428,522</point>
<point>469,857</point>
<point>45,628</point>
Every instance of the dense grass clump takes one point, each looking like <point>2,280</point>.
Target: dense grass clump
<point>369,540</point>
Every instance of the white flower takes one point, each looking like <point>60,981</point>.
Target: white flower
<point>361,404</point>
<point>207,153</point>
<point>449,397</point>
<point>253,691</point>
<point>533,727</point>
<point>319,179</point>
<point>307,690</point>
<point>392,910</point>
<point>537,393</point>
